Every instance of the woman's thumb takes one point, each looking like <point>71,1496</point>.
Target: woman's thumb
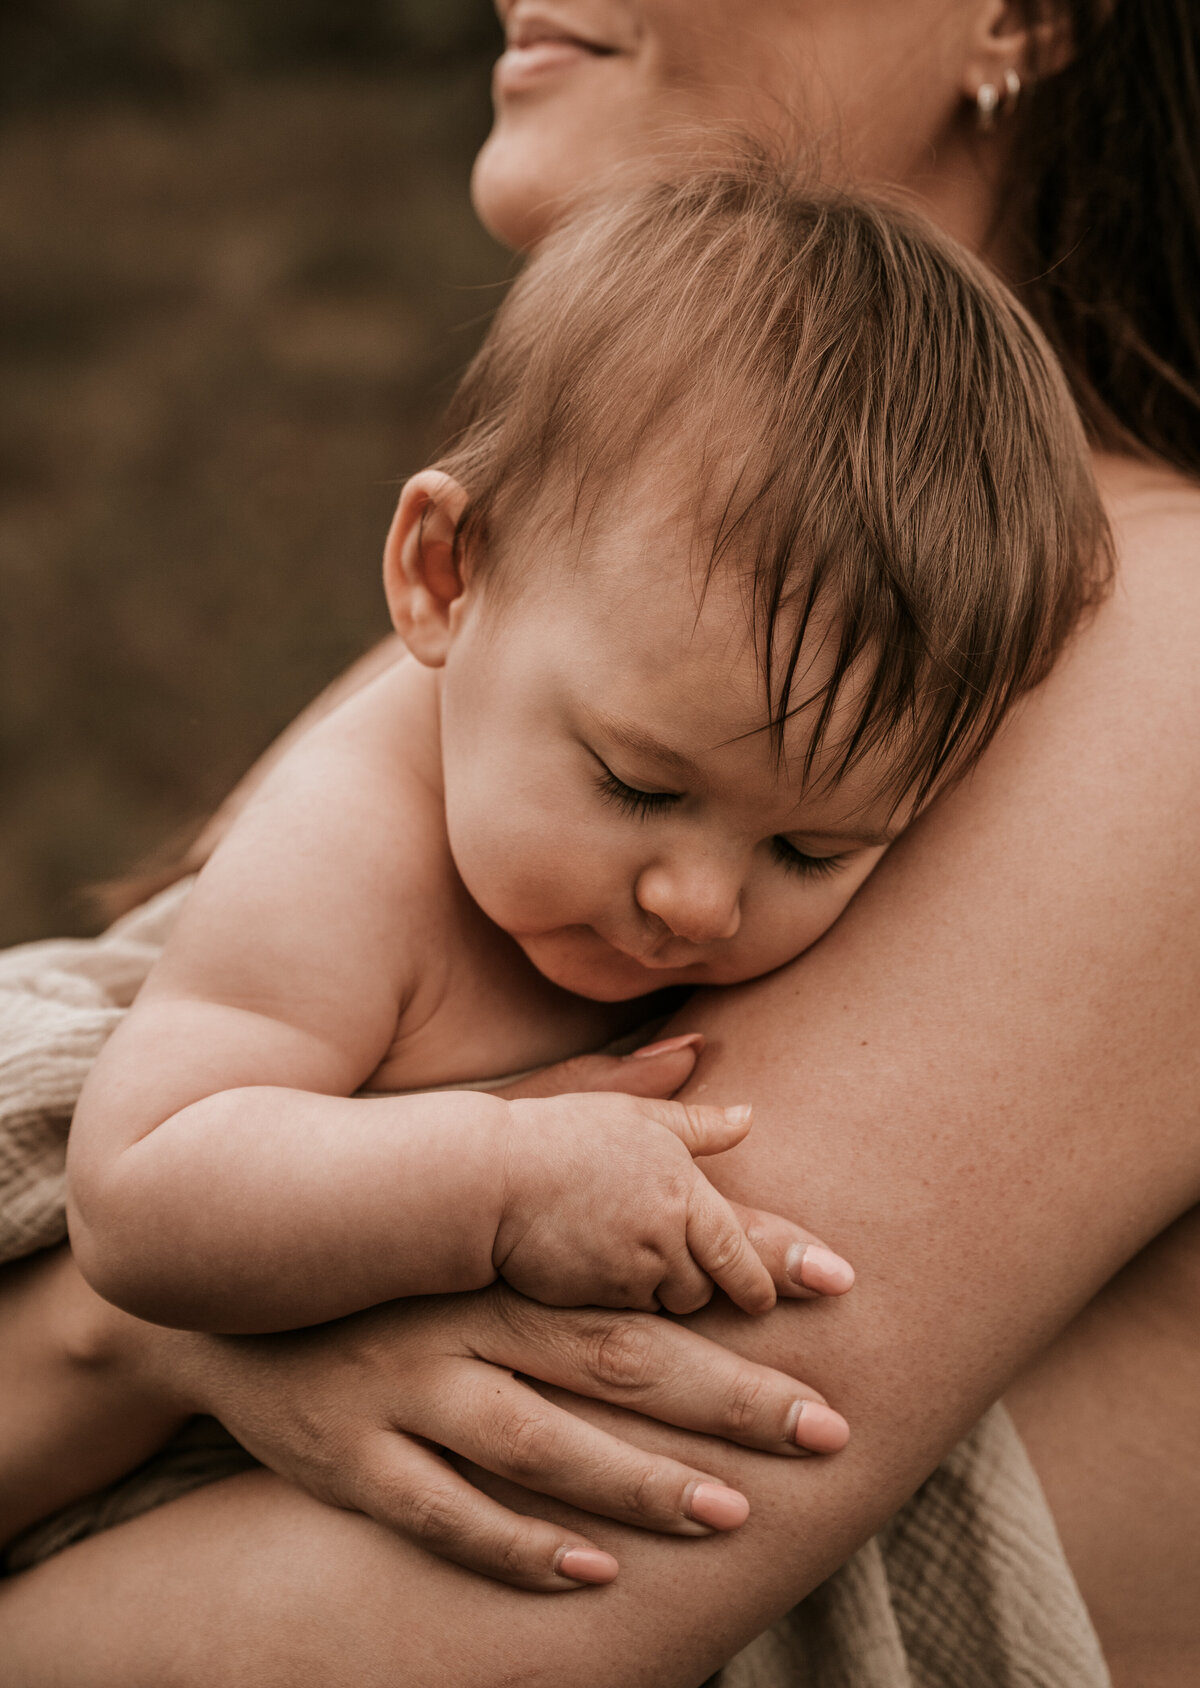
<point>657,1070</point>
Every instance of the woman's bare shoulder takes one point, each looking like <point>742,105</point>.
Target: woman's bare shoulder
<point>1142,643</point>
<point>1154,511</point>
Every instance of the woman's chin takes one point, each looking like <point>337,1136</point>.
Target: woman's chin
<point>511,191</point>
<point>540,156</point>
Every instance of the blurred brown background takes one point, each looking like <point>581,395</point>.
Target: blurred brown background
<point>238,272</point>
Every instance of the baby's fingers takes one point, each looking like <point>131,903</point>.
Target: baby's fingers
<point>800,1264</point>
<point>720,1247</point>
<point>701,1130</point>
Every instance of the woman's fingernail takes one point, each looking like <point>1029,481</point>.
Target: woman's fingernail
<point>819,1268</point>
<point>740,1114</point>
<point>820,1429</point>
<point>587,1564</point>
<point>722,1508</point>
<point>668,1046</point>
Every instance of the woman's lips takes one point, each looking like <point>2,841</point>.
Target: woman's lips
<point>519,67</point>
<point>538,46</point>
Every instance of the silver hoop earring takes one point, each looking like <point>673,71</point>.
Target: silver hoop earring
<point>1012,91</point>
<point>992,103</point>
<point>987,104</point>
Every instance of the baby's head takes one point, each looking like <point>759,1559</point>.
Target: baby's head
<point>762,509</point>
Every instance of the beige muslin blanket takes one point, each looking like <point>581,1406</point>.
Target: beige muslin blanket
<point>966,1587</point>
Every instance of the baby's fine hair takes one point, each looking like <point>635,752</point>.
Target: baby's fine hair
<point>861,423</point>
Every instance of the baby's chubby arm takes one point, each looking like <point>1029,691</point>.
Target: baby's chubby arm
<point>220,1173</point>
<point>223,1176</point>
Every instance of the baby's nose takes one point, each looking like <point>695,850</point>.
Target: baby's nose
<point>700,905</point>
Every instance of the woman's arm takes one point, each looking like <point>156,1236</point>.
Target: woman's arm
<point>74,1419</point>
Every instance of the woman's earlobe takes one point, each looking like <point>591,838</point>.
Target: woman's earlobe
<point>1010,50</point>
<point>421,572</point>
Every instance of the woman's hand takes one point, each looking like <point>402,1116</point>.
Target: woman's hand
<point>358,1412</point>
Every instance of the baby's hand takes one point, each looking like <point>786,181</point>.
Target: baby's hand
<point>605,1207</point>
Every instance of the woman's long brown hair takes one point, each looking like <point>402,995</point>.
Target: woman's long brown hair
<point>1109,150</point>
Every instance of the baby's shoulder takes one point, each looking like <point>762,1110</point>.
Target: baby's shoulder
<point>349,827</point>
<point>374,758</point>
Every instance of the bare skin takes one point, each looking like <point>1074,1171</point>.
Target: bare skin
<point>996,1087</point>
<point>1108,1415</point>
<point>1003,1204</point>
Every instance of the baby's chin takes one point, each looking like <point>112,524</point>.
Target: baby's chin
<point>596,970</point>
<point>600,980</point>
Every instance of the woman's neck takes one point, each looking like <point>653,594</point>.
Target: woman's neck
<point>962,191</point>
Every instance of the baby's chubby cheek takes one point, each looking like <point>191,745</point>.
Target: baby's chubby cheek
<point>522,877</point>
<point>799,920</point>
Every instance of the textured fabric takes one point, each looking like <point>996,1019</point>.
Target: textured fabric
<point>59,1001</point>
<point>966,1587</point>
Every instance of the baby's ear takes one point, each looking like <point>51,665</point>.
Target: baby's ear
<point>421,573</point>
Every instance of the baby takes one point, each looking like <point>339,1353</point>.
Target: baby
<point>761,510</point>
